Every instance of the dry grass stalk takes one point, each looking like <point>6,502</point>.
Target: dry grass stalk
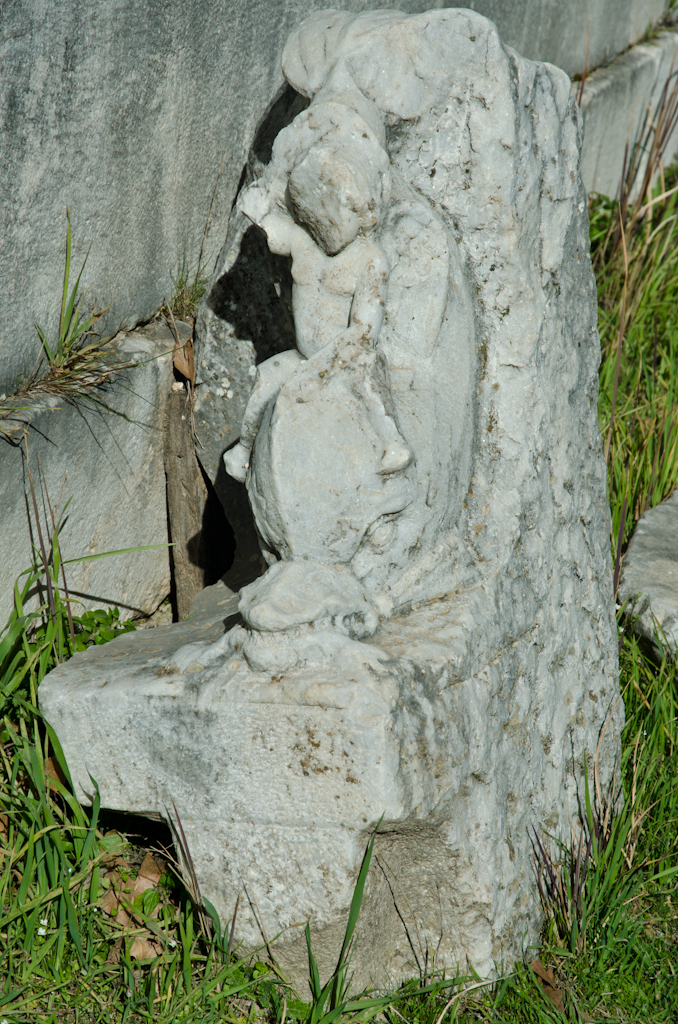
<point>68,369</point>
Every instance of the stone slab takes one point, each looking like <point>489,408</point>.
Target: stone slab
<point>574,34</point>
<point>649,577</point>
<point>277,783</point>
<point>615,103</point>
<point>130,114</point>
<point>109,459</point>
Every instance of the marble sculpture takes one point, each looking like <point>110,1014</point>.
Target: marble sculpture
<point>355,445</point>
<point>432,643</point>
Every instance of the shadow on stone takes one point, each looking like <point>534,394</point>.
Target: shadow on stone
<point>247,563</point>
<point>245,317</point>
<point>255,297</point>
<point>147,833</point>
<point>213,547</point>
<point>282,112</point>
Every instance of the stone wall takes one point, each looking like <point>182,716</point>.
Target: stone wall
<point>107,458</point>
<point>615,103</point>
<point>125,112</point>
<point>139,118</point>
<point>573,34</point>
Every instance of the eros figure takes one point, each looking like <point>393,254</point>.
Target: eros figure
<point>346,442</point>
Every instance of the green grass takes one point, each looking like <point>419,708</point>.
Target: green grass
<point>188,287</point>
<point>71,366</point>
<point>610,892</point>
<point>637,274</point>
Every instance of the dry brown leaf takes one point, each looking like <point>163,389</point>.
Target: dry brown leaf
<point>53,771</point>
<point>111,900</point>
<point>556,996</point>
<point>184,361</point>
<point>149,875</point>
<point>546,976</point>
<point>114,881</point>
<point>4,826</point>
<point>111,904</point>
<point>144,948</point>
<point>116,898</point>
<point>115,952</point>
<point>115,861</point>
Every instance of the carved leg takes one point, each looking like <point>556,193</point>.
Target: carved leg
<point>397,453</point>
<point>272,376</point>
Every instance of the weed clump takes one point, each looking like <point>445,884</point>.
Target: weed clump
<point>70,368</point>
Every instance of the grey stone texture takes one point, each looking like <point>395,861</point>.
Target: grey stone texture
<point>615,105</point>
<point>108,458</point>
<point>465,717</point>
<point>573,34</point>
<point>277,783</point>
<point>649,577</point>
<point>125,112</point>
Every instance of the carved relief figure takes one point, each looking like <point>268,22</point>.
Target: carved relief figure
<point>432,646</point>
<point>345,442</point>
<point>340,279</point>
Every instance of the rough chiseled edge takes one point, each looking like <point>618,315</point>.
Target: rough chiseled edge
<point>648,584</point>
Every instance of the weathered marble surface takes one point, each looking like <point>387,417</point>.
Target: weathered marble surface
<point>277,781</point>
<point>459,697</point>
<point>356,446</point>
<point>125,111</point>
<point>649,577</point>
<point>108,459</point>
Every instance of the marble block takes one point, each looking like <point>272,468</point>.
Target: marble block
<point>649,577</point>
<point>432,643</point>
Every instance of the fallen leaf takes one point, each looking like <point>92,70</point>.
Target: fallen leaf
<point>546,976</point>
<point>115,952</point>
<point>113,907</point>
<point>4,826</point>
<point>556,996</point>
<point>120,893</point>
<point>111,900</point>
<point>53,771</point>
<point>144,948</point>
<point>149,875</point>
<point>184,362</point>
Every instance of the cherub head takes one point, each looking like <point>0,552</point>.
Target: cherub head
<point>337,193</point>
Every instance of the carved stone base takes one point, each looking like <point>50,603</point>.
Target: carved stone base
<point>279,781</point>
<point>437,648</point>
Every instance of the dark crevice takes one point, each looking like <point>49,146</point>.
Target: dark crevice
<point>253,300</point>
<point>213,548</point>
<point>282,112</point>
<point>255,297</point>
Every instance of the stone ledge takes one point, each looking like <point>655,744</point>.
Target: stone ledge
<point>614,105</point>
<point>279,781</point>
<point>649,580</point>
<point>110,459</point>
